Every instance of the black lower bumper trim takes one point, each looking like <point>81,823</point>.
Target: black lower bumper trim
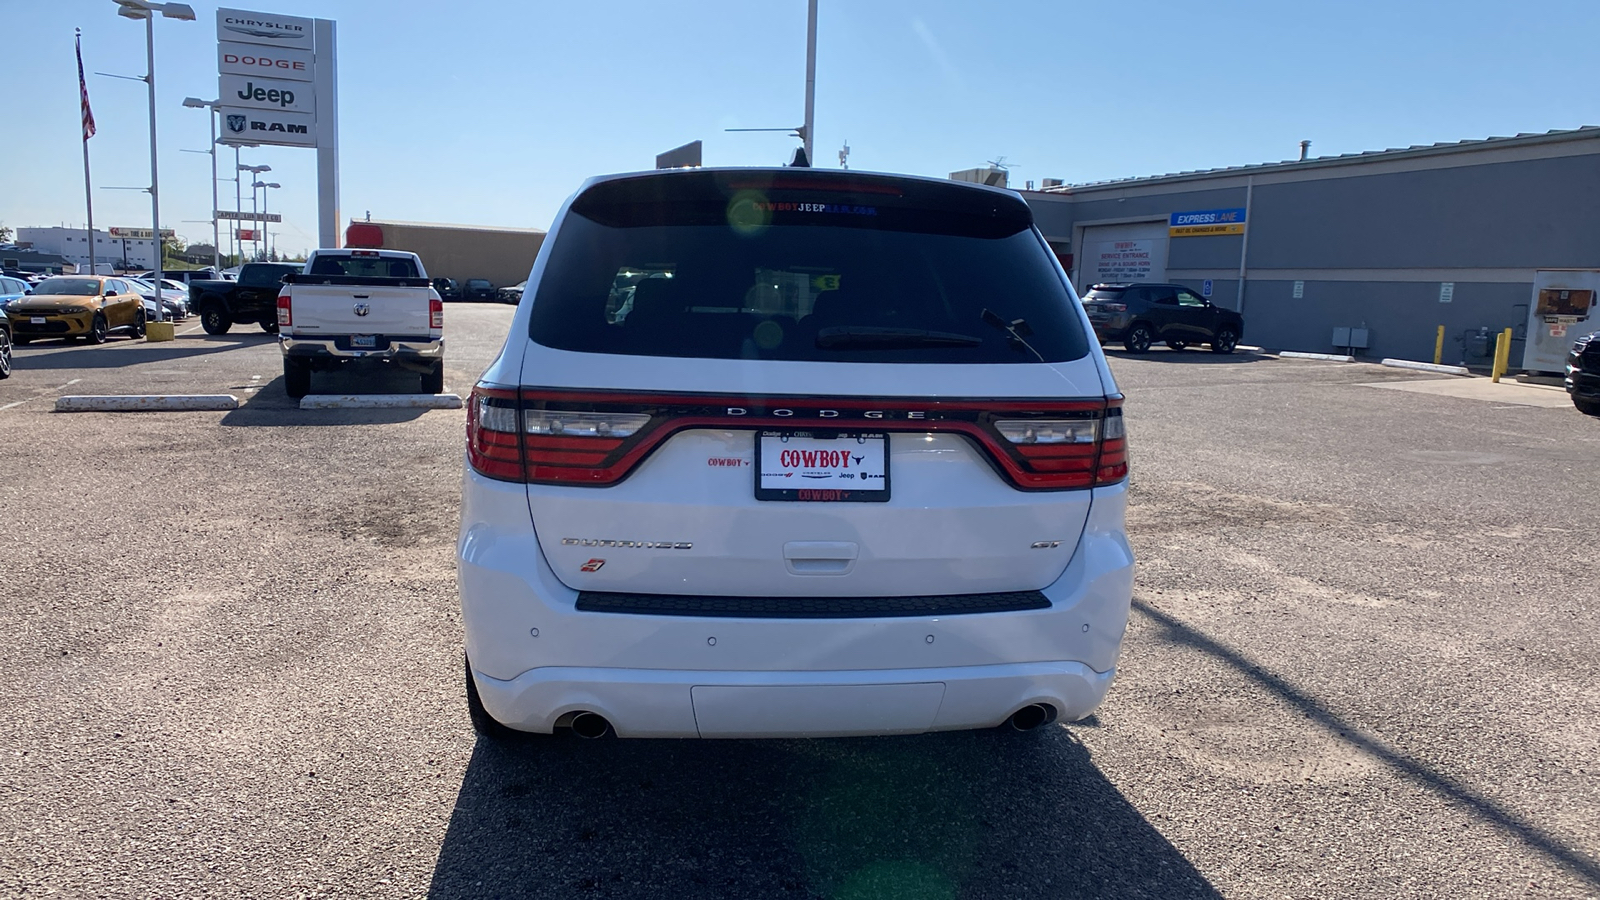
<point>808,607</point>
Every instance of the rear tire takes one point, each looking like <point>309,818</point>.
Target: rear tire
<point>138,325</point>
<point>1587,407</point>
<point>1225,340</point>
<point>433,379</point>
<point>1138,338</point>
<point>97,330</point>
<point>296,378</point>
<point>484,724</point>
<point>214,319</point>
<point>5,353</point>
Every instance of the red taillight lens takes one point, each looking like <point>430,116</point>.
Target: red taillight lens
<point>285,308</point>
<point>1113,463</point>
<point>494,447</point>
<point>435,312</point>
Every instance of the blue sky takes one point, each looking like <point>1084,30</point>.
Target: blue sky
<point>492,111</point>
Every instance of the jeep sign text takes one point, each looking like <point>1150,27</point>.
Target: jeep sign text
<point>267,93</point>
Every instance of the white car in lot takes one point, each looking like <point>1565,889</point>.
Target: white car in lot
<point>784,452</point>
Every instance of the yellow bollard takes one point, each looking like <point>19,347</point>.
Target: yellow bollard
<point>1438,346</point>
<point>1502,355</point>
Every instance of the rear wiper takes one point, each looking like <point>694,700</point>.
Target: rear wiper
<point>1016,330</point>
<point>851,336</point>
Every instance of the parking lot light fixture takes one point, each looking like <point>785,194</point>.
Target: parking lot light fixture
<point>146,10</point>
<point>216,233</point>
<point>254,210</point>
<point>264,186</point>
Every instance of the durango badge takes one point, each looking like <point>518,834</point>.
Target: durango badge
<point>593,565</point>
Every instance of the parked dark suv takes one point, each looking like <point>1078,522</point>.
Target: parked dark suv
<point>1140,314</point>
<point>1583,374</point>
<point>479,289</point>
<point>448,288</point>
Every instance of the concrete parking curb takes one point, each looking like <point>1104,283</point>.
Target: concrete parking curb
<point>1425,367</point>
<point>147,403</point>
<point>1330,357</point>
<point>380,401</point>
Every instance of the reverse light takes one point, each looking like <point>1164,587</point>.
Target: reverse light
<point>285,308</point>
<point>1048,431</point>
<point>583,424</point>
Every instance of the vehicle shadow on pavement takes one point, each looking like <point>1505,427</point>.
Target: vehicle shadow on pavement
<point>1555,848</point>
<point>109,355</point>
<point>271,406</point>
<point>977,814</point>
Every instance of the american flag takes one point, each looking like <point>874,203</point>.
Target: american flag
<point>83,91</point>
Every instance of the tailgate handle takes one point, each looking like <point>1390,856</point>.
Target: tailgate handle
<point>820,557</point>
<point>362,296</point>
<point>840,550</point>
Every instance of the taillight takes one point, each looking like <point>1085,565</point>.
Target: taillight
<point>494,426</point>
<point>598,438</point>
<point>285,310</point>
<point>1085,450</point>
<point>435,312</point>
<point>1113,307</point>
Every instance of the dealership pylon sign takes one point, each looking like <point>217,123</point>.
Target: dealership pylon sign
<point>277,82</point>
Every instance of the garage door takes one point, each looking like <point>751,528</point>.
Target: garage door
<point>1131,252</point>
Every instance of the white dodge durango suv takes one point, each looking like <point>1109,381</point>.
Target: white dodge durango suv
<point>788,452</point>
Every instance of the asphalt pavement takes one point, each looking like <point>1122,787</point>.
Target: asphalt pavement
<point>1362,662</point>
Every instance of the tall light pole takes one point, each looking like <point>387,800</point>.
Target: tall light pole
<point>807,131</point>
<point>216,233</point>
<point>146,10</point>
<point>254,215</point>
<point>265,186</point>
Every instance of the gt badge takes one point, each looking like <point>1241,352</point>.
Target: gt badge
<point>592,565</point>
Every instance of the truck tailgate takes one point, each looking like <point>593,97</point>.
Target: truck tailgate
<point>364,309</point>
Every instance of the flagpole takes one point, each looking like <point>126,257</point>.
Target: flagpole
<point>88,191</point>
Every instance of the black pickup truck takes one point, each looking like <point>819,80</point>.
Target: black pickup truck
<point>253,298</point>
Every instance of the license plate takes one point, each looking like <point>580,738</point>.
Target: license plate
<point>814,466</point>
<point>363,340</point>
<point>37,320</point>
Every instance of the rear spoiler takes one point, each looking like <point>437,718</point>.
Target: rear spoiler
<point>354,280</point>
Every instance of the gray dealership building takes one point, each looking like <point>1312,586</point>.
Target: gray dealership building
<point>1396,242</point>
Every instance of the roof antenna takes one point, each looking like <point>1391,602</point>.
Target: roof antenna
<point>844,156</point>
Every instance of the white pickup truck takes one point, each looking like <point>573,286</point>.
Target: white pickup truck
<point>360,308</point>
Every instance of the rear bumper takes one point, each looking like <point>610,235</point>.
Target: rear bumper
<point>717,704</point>
<point>328,349</point>
<point>536,658</point>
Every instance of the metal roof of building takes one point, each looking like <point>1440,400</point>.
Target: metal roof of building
<point>1568,134</point>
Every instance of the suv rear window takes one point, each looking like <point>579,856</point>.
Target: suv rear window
<point>803,265</point>
<point>365,266</point>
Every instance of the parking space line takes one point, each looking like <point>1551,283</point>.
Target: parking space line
<point>9,405</point>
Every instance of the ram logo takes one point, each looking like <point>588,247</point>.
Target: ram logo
<point>236,124</point>
<point>363,308</point>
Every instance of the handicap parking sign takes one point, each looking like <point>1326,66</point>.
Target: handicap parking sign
<point>1205,288</point>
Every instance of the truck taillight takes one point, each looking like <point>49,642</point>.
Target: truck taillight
<point>285,309</point>
<point>435,312</point>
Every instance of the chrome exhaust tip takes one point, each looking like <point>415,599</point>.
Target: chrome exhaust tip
<point>589,725</point>
<point>1030,717</point>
